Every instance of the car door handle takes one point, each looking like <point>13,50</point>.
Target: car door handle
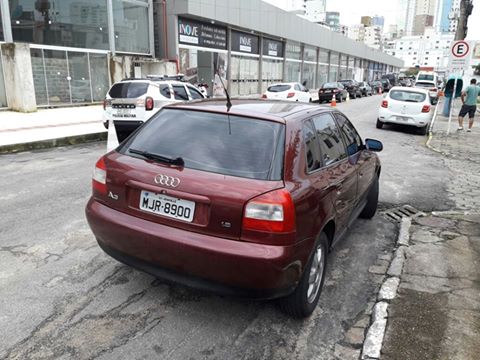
<point>336,185</point>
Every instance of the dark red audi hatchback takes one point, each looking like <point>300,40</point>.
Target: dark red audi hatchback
<point>246,201</point>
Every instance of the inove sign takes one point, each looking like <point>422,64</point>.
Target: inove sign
<point>272,49</point>
<point>245,44</point>
<point>188,33</point>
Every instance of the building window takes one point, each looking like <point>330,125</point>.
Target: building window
<point>73,23</point>
<point>130,21</point>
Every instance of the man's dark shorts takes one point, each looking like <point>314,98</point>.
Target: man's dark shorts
<point>468,109</point>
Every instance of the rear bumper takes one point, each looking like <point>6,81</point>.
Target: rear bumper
<point>419,120</point>
<point>201,261</point>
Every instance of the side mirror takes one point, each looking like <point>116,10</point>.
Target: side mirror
<point>373,145</point>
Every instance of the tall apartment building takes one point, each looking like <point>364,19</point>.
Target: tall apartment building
<point>427,50</point>
<point>315,10</point>
<point>406,15</point>
<point>424,15</point>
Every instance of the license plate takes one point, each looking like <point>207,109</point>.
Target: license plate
<point>401,118</point>
<point>167,206</point>
<point>124,113</point>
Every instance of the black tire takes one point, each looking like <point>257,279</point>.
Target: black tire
<point>354,96</point>
<point>423,130</point>
<point>379,124</point>
<point>372,201</point>
<point>296,304</point>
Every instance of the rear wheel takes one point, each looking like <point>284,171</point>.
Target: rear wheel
<point>423,130</point>
<point>354,96</point>
<point>372,201</point>
<point>304,299</point>
<point>379,124</point>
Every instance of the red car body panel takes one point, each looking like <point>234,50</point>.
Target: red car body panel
<point>203,252</point>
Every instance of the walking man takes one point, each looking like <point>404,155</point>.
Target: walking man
<point>469,101</point>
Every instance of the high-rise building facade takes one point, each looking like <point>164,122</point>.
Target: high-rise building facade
<point>315,10</point>
<point>406,15</point>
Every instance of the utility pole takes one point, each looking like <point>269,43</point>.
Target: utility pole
<point>466,7</point>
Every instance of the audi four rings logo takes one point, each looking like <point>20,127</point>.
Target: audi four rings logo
<point>167,180</point>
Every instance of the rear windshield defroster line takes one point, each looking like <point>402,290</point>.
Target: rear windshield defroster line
<point>218,143</point>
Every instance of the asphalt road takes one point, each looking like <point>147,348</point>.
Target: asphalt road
<point>62,297</point>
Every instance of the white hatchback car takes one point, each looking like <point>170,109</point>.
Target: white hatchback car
<point>406,106</point>
<point>288,91</point>
<point>131,102</point>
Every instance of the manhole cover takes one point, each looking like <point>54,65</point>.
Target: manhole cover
<point>398,213</point>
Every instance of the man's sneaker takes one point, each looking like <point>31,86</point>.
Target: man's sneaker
<point>460,128</point>
<point>469,130</point>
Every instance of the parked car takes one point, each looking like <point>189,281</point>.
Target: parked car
<point>376,86</point>
<point>288,91</point>
<point>131,102</point>
<point>431,86</point>
<point>352,87</point>
<point>406,106</point>
<point>392,78</point>
<point>244,199</point>
<point>327,90</point>
<point>365,88</point>
<point>386,86</point>
<point>427,76</point>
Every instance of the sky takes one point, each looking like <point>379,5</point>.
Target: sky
<point>351,10</point>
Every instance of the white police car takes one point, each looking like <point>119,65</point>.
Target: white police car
<point>131,102</point>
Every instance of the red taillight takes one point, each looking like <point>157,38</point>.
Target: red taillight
<point>426,109</point>
<point>99,178</point>
<point>105,104</point>
<point>264,96</point>
<point>149,103</point>
<point>433,89</point>
<point>384,103</point>
<point>270,212</point>
<point>290,95</point>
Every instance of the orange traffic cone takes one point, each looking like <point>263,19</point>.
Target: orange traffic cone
<point>334,101</point>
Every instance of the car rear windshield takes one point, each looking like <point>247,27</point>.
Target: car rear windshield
<point>219,143</point>
<point>408,96</point>
<point>279,88</point>
<point>330,86</point>
<point>128,90</point>
<point>425,84</point>
<point>426,77</point>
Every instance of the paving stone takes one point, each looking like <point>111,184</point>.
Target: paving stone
<point>396,265</point>
<point>346,353</point>
<point>389,289</point>
<point>436,222</point>
<point>355,336</point>
<point>378,269</point>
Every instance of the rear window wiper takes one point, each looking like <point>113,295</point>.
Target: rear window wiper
<point>161,158</point>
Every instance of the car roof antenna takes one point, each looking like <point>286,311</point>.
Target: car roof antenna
<point>229,103</point>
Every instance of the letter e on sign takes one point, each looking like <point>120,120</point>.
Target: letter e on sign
<point>460,49</point>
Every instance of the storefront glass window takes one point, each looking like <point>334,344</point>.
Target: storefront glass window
<point>272,72</point>
<point>72,23</point>
<point>99,76</point>
<point>309,75</point>
<point>244,75</point>
<point>333,76</point>
<point>322,75</point>
<point>323,56</point>
<point>189,64</point>
<point>293,51</point>
<point>343,60</point>
<point>292,71</point>
<point>333,60</point>
<point>310,54</point>
<point>130,21</point>
<point>79,77</point>
<point>56,67</point>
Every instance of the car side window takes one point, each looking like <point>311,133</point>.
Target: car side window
<point>329,138</point>
<point>312,148</point>
<point>165,91</point>
<point>353,141</point>
<point>180,92</point>
<point>195,93</point>
<point>297,87</point>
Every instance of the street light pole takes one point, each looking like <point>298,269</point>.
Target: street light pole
<point>466,7</point>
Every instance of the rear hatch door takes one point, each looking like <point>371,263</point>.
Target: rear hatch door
<point>127,101</point>
<point>228,160</point>
<point>406,103</point>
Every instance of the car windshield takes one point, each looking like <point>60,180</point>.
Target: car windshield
<point>347,82</point>
<point>279,88</point>
<point>128,90</point>
<point>330,86</point>
<point>219,143</point>
<point>428,77</point>
<point>408,96</point>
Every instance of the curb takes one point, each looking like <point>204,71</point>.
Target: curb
<point>372,345</point>
<point>51,143</point>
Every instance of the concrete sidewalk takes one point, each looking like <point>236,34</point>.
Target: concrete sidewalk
<point>50,127</point>
<point>436,313</point>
